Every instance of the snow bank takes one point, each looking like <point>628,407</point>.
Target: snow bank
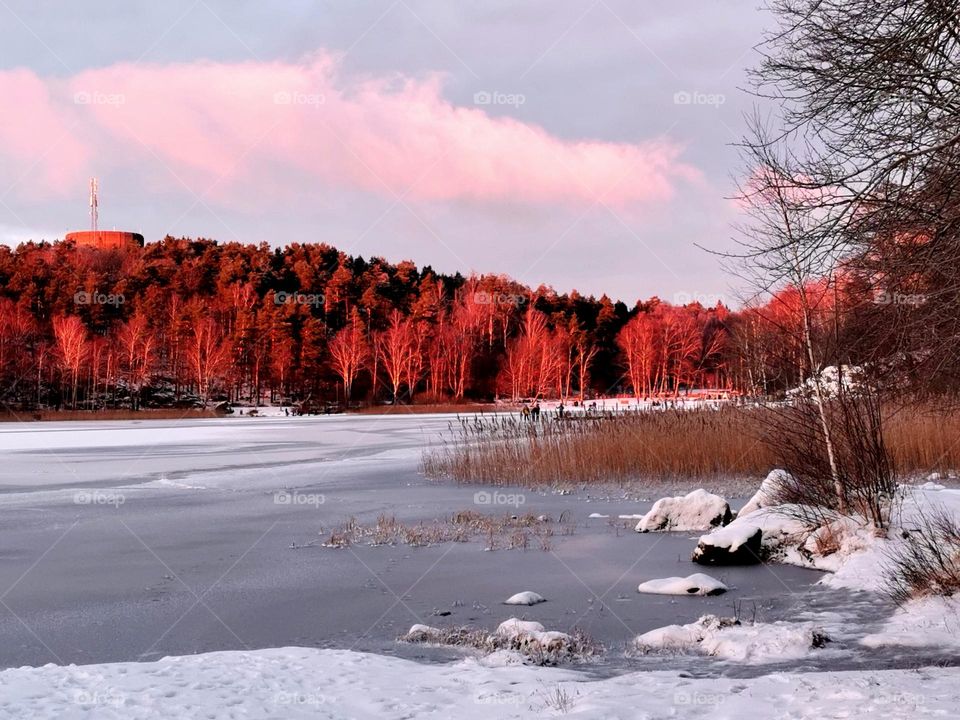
<point>696,584</point>
<point>765,642</point>
<point>525,598</point>
<point>727,639</point>
<point>300,683</point>
<point>698,510</point>
<point>931,621</point>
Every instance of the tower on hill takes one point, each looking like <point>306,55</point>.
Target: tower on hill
<point>102,239</point>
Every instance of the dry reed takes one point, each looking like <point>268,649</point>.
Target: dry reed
<point>649,448</point>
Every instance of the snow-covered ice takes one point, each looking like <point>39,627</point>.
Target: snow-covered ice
<point>292,682</point>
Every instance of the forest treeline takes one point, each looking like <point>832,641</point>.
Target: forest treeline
<point>185,321</point>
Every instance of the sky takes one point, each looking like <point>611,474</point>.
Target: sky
<point>582,144</point>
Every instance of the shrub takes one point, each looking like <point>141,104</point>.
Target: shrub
<point>927,562</point>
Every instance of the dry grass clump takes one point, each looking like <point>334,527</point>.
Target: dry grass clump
<point>660,446</point>
<point>928,561</point>
<point>576,646</point>
<point>508,531</point>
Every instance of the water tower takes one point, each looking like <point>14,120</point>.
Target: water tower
<point>102,239</point>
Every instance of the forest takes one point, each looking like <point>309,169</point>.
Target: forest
<point>186,322</point>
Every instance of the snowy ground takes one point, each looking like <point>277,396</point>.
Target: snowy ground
<point>293,683</point>
<point>136,540</point>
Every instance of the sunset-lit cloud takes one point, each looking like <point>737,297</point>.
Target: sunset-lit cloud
<point>294,127</point>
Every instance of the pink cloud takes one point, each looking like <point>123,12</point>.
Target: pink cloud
<point>40,151</point>
<point>299,128</point>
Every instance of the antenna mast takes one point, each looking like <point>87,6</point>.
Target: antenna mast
<point>94,204</point>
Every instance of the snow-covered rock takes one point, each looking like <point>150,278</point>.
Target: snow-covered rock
<point>515,627</point>
<point>764,496</point>
<point>698,510</point>
<point>525,598</point>
<point>727,639</point>
<point>422,633</point>
<point>526,633</point>
<point>740,544</point>
<point>764,534</point>
<point>696,584</point>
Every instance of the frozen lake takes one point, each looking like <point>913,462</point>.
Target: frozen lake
<point>135,540</point>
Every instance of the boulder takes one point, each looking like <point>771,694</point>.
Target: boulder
<point>742,546</point>
<point>696,584</point>
<point>698,510</point>
<point>526,597</point>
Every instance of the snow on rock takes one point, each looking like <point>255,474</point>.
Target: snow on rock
<point>527,633</point>
<point>739,544</point>
<point>696,584</point>
<point>698,510</point>
<point>763,534</point>
<point>299,683</point>
<point>525,598</point>
<point>727,639</point>
<point>764,496</point>
<point>515,627</point>
<point>423,633</point>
